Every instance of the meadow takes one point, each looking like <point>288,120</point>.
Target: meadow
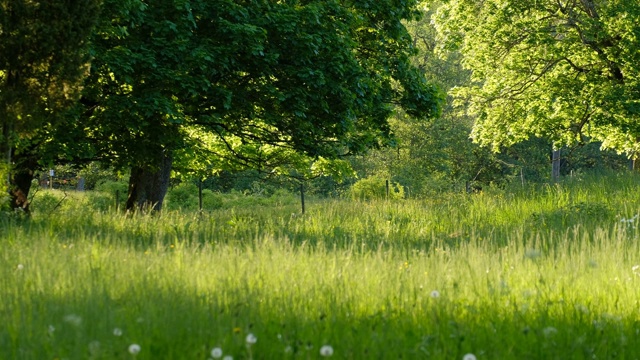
<point>536,272</point>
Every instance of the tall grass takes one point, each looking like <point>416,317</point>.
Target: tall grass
<point>543,272</point>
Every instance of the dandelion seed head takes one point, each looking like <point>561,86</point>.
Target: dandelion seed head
<point>51,329</point>
<point>326,350</point>
<point>94,348</point>
<point>435,294</point>
<point>216,353</point>
<point>251,339</point>
<point>469,356</point>
<point>532,254</point>
<point>288,349</point>
<point>549,330</point>
<point>117,332</point>
<point>227,357</point>
<point>73,319</point>
<point>20,267</point>
<point>134,349</point>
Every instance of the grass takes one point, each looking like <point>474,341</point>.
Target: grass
<point>545,272</point>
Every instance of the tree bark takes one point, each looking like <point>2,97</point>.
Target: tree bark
<point>20,178</point>
<point>149,184</point>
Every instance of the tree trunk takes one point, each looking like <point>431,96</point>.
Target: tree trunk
<point>148,185</point>
<point>20,177</point>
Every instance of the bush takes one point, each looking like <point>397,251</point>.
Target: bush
<point>45,203</point>
<point>183,197</point>
<point>4,195</point>
<point>374,188</point>
<point>94,174</point>
<point>211,200</point>
<point>108,194</point>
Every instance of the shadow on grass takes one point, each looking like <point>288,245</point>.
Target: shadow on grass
<point>180,323</point>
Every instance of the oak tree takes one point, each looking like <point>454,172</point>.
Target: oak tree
<point>239,81</point>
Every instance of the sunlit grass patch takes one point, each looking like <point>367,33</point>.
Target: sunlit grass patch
<point>458,278</point>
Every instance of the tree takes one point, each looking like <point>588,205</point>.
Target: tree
<point>43,59</point>
<point>563,70</point>
<point>249,78</point>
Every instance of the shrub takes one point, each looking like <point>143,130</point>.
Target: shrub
<point>108,194</point>
<point>211,200</point>
<point>183,197</point>
<point>4,197</point>
<point>45,203</point>
<point>374,187</point>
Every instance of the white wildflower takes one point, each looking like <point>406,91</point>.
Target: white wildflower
<point>469,356</point>
<point>326,350</point>
<point>216,353</point>
<point>134,349</point>
<point>251,339</point>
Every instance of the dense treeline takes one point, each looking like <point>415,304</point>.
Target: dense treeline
<point>305,89</point>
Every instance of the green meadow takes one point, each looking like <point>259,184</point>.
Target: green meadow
<point>534,272</point>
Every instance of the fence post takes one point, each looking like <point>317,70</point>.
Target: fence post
<point>555,165</point>
<point>302,196</point>
<point>200,193</point>
<point>387,188</point>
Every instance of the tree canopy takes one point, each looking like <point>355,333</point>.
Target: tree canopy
<point>249,81</point>
<point>43,59</point>
<point>564,70</point>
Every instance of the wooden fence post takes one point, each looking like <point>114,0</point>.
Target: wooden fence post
<point>200,194</point>
<point>387,188</point>
<point>555,165</point>
<point>302,196</point>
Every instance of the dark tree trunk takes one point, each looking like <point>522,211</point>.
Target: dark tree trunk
<point>148,185</point>
<point>21,176</point>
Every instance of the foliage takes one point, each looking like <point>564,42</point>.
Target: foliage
<point>375,188</point>
<point>4,188</point>
<point>43,60</point>
<point>93,173</point>
<point>183,197</point>
<point>108,194</point>
<point>435,156</point>
<point>47,202</point>
<point>438,156</point>
<point>566,71</point>
<point>227,85</point>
